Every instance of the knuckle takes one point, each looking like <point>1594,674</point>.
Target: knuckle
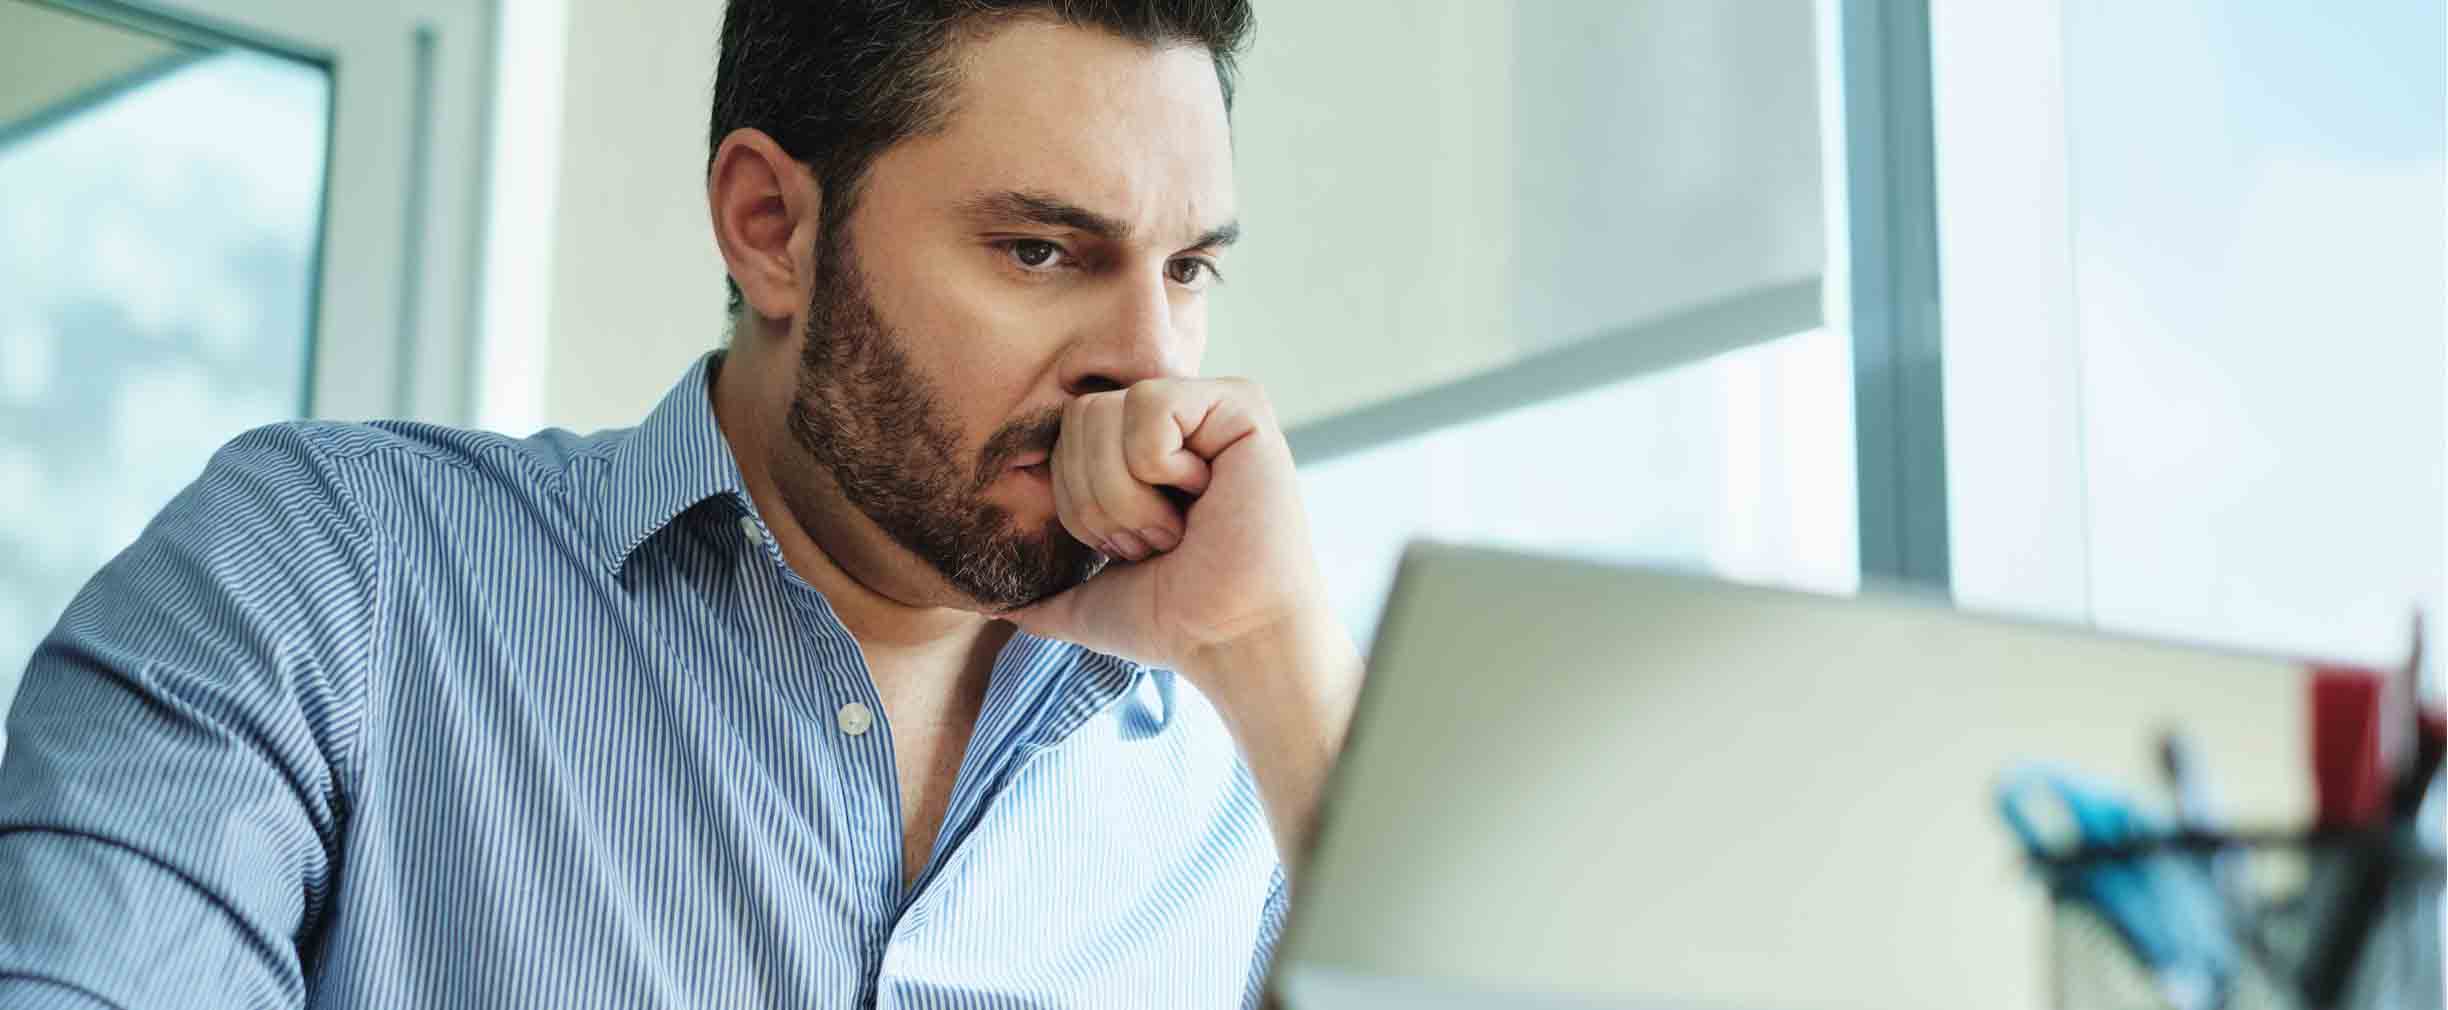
<point>1144,448</point>
<point>1086,403</point>
<point>1260,399</point>
<point>1137,397</point>
<point>1142,404</point>
<point>1249,391</point>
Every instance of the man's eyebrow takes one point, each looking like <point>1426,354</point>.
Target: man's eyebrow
<point>1219,236</point>
<point>1051,211</point>
<point>1041,209</point>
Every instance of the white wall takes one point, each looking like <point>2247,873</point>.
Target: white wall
<point>1375,195</point>
<point>630,282</point>
<point>1485,180</point>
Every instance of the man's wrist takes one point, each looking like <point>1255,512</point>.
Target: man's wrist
<point>1301,670</point>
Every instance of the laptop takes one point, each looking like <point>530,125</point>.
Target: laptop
<point>1573,784</point>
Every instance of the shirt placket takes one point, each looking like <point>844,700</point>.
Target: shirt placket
<point>859,734</point>
<point>849,719</point>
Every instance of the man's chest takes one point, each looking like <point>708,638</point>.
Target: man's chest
<point>698,825</point>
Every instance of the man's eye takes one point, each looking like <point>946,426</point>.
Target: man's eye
<point>1033,253</point>
<point>1191,272</point>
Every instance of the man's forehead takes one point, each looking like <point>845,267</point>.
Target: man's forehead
<point>1131,132</point>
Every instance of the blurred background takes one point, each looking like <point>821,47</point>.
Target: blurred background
<point>2127,315</point>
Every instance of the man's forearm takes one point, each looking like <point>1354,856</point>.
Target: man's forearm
<point>1287,696</point>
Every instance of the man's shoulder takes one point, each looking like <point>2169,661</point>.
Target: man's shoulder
<point>379,466</point>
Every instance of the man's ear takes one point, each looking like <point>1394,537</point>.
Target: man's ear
<point>766,217</point>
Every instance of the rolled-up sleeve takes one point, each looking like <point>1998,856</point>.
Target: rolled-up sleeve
<point>173,793</point>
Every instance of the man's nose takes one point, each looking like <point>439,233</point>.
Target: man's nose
<point>1135,339</point>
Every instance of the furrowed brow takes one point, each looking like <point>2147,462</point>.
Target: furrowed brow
<point>1022,206</point>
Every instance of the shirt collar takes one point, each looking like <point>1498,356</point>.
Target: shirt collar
<point>665,466</point>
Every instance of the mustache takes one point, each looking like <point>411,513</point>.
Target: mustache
<point>1033,432</point>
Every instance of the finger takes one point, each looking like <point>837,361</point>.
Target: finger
<point>1226,412</point>
<point>1104,499</point>
<point>1145,517</point>
<point>1145,523</point>
<point>1153,439</point>
<point>1213,415</point>
<point>1066,510</point>
<point>1068,515</point>
<point>1086,428</point>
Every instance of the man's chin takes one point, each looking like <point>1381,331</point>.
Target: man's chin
<point>1022,570</point>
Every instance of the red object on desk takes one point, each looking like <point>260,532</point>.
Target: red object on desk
<point>2351,779</point>
<point>2430,745</point>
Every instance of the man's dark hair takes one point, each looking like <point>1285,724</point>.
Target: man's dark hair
<point>838,82</point>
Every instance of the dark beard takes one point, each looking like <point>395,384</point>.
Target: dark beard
<point>865,415</point>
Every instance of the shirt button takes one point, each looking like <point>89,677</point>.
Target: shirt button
<point>748,525</point>
<point>854,719</point>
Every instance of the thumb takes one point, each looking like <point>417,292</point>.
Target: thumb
<point>1180,468</point>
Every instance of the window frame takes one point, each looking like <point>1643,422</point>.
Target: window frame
<point>398,264</point>
<point>1891,237</point>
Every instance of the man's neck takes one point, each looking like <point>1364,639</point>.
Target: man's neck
<point>887,628</point>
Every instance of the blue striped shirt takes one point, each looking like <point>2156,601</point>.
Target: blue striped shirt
<point>395,715</point>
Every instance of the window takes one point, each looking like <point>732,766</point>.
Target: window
<point>216,214</point>
<point>1564,294</point>
<point>2196,347</point>
<point>1740,465</point>
<point>167,265</point>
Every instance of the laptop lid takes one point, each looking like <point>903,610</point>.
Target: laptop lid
<point>1592,781</point>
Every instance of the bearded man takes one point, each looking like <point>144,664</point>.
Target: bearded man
<point>943,640</point>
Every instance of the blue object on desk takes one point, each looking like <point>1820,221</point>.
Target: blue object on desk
<point>2197,811</point>
<point>2165,906</point>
